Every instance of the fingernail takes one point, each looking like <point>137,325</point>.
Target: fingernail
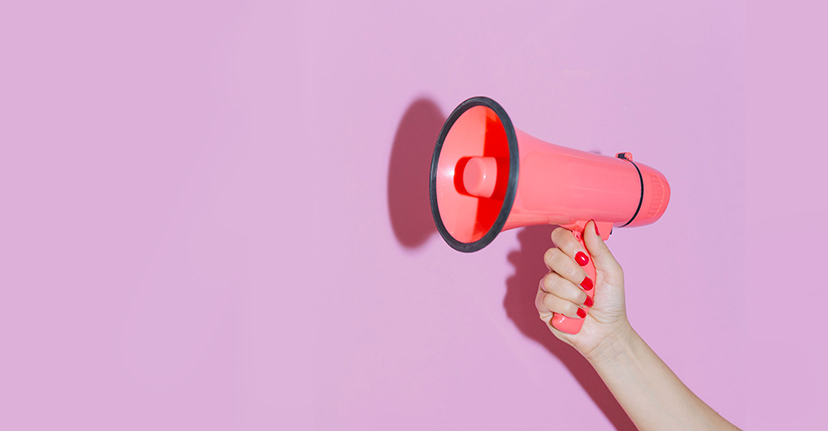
<point>581,258</point>
<point>588,302</point>
<point>581,312</point>
<point>596,228</point>
<point>587,283</point>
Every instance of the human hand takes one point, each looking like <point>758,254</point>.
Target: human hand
<point>561,291</point>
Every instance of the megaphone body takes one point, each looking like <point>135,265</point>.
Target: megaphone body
<point>487,176</point>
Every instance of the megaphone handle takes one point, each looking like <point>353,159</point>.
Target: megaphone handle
<point>568,324</point>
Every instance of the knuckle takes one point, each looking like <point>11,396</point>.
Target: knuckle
<point>550,255</point>
<point>579,297</point>
<point>563,237</point>
<point>577,276</point>
<point>570,309</point>
<point>539,298</point>
<point>558,232</point>
<point>548,282</point>
<point>576,295</point>
<point>549,302</point>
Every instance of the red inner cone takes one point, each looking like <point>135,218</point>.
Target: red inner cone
<point>477,133</point>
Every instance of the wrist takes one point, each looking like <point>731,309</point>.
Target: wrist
<point>619,343</point>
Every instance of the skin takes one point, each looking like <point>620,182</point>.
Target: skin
<point>650,393</point>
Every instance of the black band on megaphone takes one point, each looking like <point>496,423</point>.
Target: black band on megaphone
<point>641,198</point>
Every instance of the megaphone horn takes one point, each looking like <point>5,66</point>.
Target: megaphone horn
<point>487,176</point>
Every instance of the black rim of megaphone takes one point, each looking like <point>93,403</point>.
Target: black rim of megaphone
<point>511,189</point>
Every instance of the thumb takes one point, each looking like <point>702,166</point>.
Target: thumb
<point>601,256</point>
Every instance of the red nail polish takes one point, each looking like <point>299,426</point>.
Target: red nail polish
<point>588,302</point>
<point>587,283</point>
<point>581,258</point>
<point>596,228</point>
<point>581,312</point>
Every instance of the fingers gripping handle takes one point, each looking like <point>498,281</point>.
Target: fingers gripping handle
<point>568,324</point>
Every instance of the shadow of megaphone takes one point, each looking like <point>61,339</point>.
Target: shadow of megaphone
<point>408,170</point>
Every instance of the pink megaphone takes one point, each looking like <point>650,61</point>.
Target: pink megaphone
<point>487,176</point>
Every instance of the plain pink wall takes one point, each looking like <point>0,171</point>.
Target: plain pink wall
<point>215,214</point>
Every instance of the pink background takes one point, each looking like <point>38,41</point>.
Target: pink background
<point>215,216</point>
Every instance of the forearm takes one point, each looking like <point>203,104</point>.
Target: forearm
<point>650,393</point>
